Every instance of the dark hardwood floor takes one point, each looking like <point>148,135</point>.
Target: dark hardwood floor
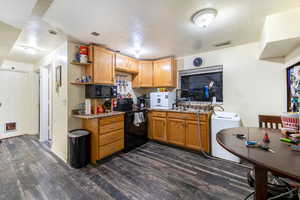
<point>28,170</point>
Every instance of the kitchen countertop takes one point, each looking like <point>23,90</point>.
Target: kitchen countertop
<point>101,115</point>
<point>180,111</point>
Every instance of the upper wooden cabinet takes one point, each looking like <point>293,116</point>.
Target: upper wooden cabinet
<point>122,61</point>
<point>126,64</point>
<point>133,64</point>
<point>165,73</point>
<point>145,76</point>
<point>102,68</point>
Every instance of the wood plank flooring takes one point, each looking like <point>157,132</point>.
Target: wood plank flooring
<point>28,170</point>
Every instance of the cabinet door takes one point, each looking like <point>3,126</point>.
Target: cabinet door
<point>121,61</point>
<point>164,73</point>
<point>195,134</point>
<point>146,74</point>
<point>159,129</point>
<point>176,131</point>
<point>103,66</point>
<point>133,64</point>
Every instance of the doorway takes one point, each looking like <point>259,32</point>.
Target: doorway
<point>15,103</point>
<point>45,107</point>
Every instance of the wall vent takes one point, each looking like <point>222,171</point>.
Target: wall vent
<point>95,34</point>
<point>10,126</point>
<point>223,44</point>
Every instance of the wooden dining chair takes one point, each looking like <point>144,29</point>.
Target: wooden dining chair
<point>269,121</point>
<point>274,122</point>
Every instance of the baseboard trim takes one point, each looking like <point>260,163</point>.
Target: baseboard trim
<point>10,135</point>
<point>60,156</point>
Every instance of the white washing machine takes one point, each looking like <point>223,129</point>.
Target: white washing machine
<point>220,121</point>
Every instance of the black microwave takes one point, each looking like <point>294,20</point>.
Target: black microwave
<point>100,91</point>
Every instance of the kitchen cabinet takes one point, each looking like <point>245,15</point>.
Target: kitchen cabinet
<point>107,136</point>
<point>164,73</point>
<point>159,129</point>
<point>195,133</point>
<point>144,78</point>
<point>176,131</point>
<point>133,65</point>
<point>126,64</point>
<point>102,67</point>
<point>122,61</point>
<point>182,129</point>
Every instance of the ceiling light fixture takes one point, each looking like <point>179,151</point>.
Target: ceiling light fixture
<point>137,53</point>
<point>204,17</point>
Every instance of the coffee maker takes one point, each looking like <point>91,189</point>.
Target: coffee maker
<point>143,102</point>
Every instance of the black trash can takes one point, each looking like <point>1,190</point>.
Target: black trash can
<point>79,148</point>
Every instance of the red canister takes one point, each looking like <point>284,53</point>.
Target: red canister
<point>83,50</point>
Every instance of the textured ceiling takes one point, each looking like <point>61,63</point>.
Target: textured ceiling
<point>158,27</point>
<point>35,36</point>
<point>162,27</point>
<point>9,35</point>
<point>16,12</point>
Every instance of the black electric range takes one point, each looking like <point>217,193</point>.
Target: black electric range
<point>135,135</point>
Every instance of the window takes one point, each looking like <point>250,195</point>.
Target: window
<point>202,86</point>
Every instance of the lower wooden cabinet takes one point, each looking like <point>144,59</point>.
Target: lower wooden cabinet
<point>182,129</point>
<point>176,131</point>
<point>196,135</point>
<point>107,136</point>
<point>159,129</point>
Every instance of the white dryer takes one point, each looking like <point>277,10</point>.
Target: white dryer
<point>220,121</point>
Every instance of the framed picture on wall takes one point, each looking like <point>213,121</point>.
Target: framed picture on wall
<point>293,88</point>
<point>58,77</point>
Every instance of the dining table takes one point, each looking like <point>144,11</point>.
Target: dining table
<point>281,159</point>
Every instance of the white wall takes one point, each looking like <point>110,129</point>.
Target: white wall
<point>250,86</point>
<point>28,112</point>
<point>282,26</point>
<point>59,100</point>
<point>293,57</point>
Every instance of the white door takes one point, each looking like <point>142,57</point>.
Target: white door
<point>44,105</point>
<point>15,103</point>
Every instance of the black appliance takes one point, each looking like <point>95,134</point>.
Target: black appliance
<point>143,102</point>
<point>95,91</point>
<point>124,105</point>
<point>135,136</point>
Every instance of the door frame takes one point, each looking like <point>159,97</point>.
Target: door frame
<point>45,103</point>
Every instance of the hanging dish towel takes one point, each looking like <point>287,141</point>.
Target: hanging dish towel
<point>138,118</point>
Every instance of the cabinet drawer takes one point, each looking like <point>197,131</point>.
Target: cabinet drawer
<point>112,119</point>
<point>188,116</point>
<point>111,148</point>
<point>111,127</point>
<point>158,114</point>
<point>111,137</point>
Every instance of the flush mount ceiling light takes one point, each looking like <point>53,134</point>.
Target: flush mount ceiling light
<point>204,17</point>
